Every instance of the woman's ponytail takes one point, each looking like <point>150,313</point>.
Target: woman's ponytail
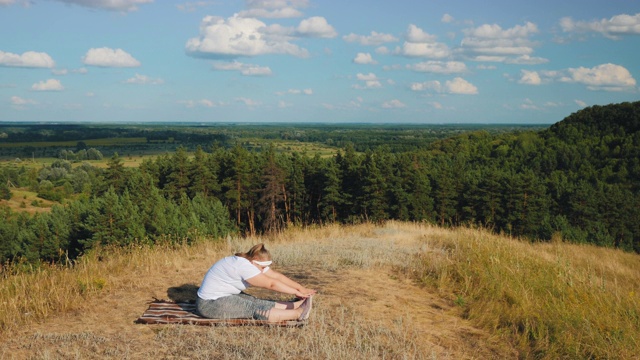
<point>257,252</point>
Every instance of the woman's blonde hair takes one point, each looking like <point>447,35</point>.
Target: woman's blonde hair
<point>257,252</point>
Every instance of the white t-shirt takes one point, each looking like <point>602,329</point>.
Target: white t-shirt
<point>227,277</point>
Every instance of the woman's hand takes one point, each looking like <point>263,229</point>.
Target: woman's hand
<point>305,293</point>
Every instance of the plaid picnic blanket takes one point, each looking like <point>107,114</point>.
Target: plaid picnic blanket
<point>168,312</point>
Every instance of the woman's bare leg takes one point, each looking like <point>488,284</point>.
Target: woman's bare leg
<point>276,315</point>
<point>288,305</point>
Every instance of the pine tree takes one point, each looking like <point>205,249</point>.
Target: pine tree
<point>445,194</point>
<point>203,179</point>
<point>314,185</point>
<point>9,243</point>
<point>116,220</point>
<point>489,205</point>
<point>115,175</point>
<point>372,200</point>
<point>351,175</point>
<point>178,179</point>
<point>419,191</point>
<point>272,193</point>
<point>331,198</point>
<point>237,187</point>
<point>296,192</point>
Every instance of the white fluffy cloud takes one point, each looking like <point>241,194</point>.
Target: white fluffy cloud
<point>248,102</point>
<point>200,103</point>
<point>274,9</point>
<point>427,85</point>
<point>613,27</point>
<point>489,42</point>
<point>605,77</point>
<point>439,67</point>
<point>393,104</point>
<point>460,86</point>
<point>367,81</point>
<point>580,103</point>
<point>526,60</point>
<point>608,77</point>
<point>528,105</point>
<point>316,27</point>
<point>416,35</point>
<point>456,86</point>
<point>373,39</point>
<point>296,92</point>
<point>421,44</point>
<point>242,36</point>
<point>366,77</point>
<point>238,36</point>
<point>30,59</point>
<point>244,69</point>
<point>18,101</point>
<point>143,80</point>
<point>48,85</point>
<point>446,18</point>
<point>114,5</point>
<point>428,50</point>
<point>530,78</point>
<point>364,58</point>
<point>106,57</point>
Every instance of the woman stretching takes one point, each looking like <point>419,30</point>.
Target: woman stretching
<point>220,296</point>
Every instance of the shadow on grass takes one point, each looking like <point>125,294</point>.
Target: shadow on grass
<point>184,293</point>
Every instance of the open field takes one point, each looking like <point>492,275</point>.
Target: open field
<point>394,291</point>
<point>290,146</point>
<point>38,163</point>
<point>23,200</point>
<point>73,143</point>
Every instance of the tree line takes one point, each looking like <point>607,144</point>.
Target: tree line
<point>578,179</point>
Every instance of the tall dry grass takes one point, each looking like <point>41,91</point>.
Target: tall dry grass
<point>337,333</point>
<point>548,300</point>
<point>33,294</point>
<point>551,300</point>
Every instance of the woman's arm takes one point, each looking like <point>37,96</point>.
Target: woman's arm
<point>264,281</point>
<point>285,280</point>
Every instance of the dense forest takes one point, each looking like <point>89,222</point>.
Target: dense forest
<point>47,140</point>
<point>578,179</point>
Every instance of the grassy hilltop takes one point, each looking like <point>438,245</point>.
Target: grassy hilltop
<point>393,291</point>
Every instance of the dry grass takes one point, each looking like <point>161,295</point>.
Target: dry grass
<point>550,300</point>
<point>485,297</point>
<point>23,200</point>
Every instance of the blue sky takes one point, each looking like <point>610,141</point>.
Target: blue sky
<point>406,61</point>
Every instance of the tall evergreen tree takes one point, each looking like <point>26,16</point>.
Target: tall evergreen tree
<point>373,199</point>
<point>237,185</point>
<point>351,175</point>
<point>314,189</point>
<point>296,192</point>
<point>272,194</point>
<point>331,198</point>
<point>178,179</point>
<point>203,179</point>
<point>115,175</point>
<point>444,192</point>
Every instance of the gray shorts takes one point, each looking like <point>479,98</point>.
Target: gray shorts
<point>240,306</point>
